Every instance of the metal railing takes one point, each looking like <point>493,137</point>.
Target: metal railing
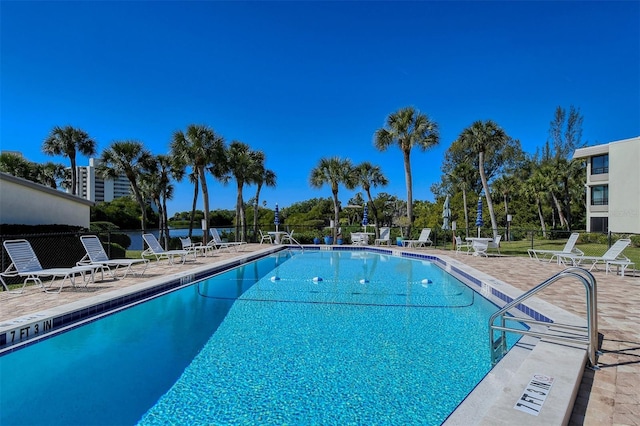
<point>498,347</point>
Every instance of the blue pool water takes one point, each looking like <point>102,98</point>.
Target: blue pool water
<point>379,339</point>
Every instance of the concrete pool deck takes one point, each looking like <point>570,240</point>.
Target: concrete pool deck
<point>608,396</point>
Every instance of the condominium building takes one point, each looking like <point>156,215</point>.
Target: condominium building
<point>94,188</point>
<point>613,186</point>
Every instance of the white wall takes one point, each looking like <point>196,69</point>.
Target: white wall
<point>624,186</point>
<point>23,202</point>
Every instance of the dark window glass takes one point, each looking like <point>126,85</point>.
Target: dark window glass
<point>600,224</point>
<point>600,164</point>
<point>600,195</point>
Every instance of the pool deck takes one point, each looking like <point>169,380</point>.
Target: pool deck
<point>608,396</point>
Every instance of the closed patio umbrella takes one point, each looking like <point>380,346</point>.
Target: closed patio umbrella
<point>276,219</point>
<point>365,217</point>
<point>479,221</point>
<point>446,214</point>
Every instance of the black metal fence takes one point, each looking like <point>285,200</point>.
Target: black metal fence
<point>65,249</point>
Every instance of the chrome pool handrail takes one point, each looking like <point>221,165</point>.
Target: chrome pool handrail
<point>498,348</point>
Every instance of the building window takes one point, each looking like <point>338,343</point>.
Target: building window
<point>600,195</point>
<point>600,164</point>
<point>599,224</point>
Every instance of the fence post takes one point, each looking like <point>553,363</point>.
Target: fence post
<point>531,239</point>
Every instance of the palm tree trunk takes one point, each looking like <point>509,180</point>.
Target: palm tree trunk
<point>563,220</point>
<point>466,211</point>
<point>541,217</point>
<point>74,175</point>
<point>240,218</point>
<point>374,211</point>
<point>336,216</point>
<point>193,206</point>
<point>487,194</point>
<point>165,219</point>
<point>205,199</point>
<point>255,211</point>
<point>407,176</point>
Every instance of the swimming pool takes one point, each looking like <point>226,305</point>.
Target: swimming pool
<point>266,343</point>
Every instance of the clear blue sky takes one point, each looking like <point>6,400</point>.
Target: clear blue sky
<point>306,80</point>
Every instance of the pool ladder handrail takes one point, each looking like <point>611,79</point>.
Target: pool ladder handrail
<point>499,347</point>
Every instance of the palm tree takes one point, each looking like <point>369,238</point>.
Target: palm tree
<point>201,149</point>
<point>408,128</point>
<point>131,159</point>
<point>66,141</point>
<point>157,186</point>
<point>333,171</point>
<point>483,137</point>
<point>368,175</point>
<point>15,165</point>
<point>244,165</point>
<point>263,177</point>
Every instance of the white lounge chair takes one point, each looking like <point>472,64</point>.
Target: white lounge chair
<point>194,248</point>
<point>97,256</point>
<point>385,237</point>
<point>25,264</point>
<point>463,245</point>
<point>569,249</point>
<point>154,249</point>
<point>265,237</point>
<point>422,240</point>
<point>495,244</point>
<point>612,257</point>
<point>217,243</point>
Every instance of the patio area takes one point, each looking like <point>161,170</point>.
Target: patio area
<point>608,396</point>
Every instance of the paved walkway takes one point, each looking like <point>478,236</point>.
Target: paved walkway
<point>608,396</point>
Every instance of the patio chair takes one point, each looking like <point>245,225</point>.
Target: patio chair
<point>569,249</point>
<point>217,243</point>
<point>612,257</point>
<point>25,264</point>
<point>265,237</point>
<point>422,240</point>
<point>194,248</point>
<point>495,243</point>
<point>463,245</point>
<point>480,247</point>
<point>97,256</point>
<point>385,237</point>
<point>154,249</point>
<point>289,237</point>
<point>358,239</point>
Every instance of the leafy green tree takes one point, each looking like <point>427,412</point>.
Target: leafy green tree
<point>565,133</point>
<point>200,148</point>
<point>535,189</point>
<point>367,176</point>
<point>67,141</point>
<point>463,176</point>
<point>124,212</point>
<point>131,159</point>
<point>407,128</point>
<point>333,172</point>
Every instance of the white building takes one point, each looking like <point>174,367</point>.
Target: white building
<point>94,188</point>
<point>613,186</point>
<point>23,202</point>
